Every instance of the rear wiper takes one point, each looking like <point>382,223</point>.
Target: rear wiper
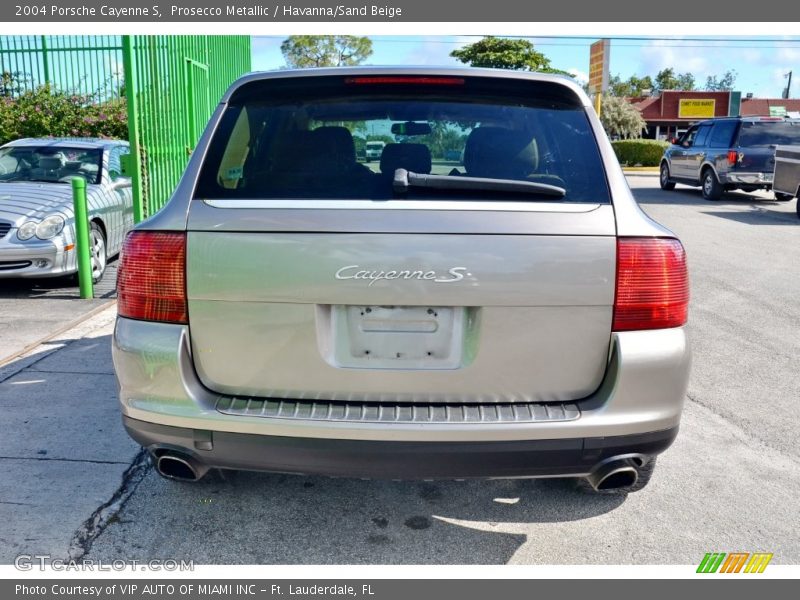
<point>403,180</point>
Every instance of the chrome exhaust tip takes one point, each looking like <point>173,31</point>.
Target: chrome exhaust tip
<point>179,467</point>
<point>614,475</point>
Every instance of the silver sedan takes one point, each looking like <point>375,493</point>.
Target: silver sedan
<point>37,222</point>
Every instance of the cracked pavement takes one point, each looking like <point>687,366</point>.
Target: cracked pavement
<point>64,455</point>
<point>73,484</point>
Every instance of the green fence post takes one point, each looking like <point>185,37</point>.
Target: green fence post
<point>45,60</point>
<point>82,237</point>
<point>131,93</point>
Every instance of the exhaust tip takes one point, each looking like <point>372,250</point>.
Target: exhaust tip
<point>615,475</point>
<point>179,468</point>
<point>618,479</point>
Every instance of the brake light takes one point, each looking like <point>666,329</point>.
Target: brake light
<point>151,281</point>
<point>407,80</point>
<point>652,284</point>
<point>732,157</point>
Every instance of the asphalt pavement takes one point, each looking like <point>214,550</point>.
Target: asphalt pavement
<point>32,310</point>
<point>73,484</point>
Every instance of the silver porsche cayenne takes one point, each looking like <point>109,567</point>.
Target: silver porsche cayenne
<point>486,301</point>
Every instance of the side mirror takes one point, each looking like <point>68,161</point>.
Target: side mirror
<point>673,141</point>
<point>126,165</point>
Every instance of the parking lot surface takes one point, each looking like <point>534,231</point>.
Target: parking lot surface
<point>74,484</point>
<point>34,309</point>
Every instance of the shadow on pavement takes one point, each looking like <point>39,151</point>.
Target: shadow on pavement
<point>655,195</point>
<point>758,216</point>
<point>258,518</point>
<point>65,288</point>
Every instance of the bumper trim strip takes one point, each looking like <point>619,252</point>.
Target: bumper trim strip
<point>372,412</point>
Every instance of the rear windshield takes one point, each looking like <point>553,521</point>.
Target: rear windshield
<point>308,138</point>
<point>769,133</point>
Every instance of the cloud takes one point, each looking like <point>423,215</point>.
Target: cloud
<point>580,76</point>
<point>435,50</point>
<point>661,54</point>
<point>789,55</point>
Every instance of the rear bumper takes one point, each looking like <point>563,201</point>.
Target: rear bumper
<point>643,391</point>
<point>756,179</point>
<point>396,460</point>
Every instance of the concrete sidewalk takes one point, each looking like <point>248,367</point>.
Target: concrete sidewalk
<point>67,464</point>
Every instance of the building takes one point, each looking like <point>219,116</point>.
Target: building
<point>672,112</point>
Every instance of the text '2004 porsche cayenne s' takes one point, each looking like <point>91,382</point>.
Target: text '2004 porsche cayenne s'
<point>485,300</point>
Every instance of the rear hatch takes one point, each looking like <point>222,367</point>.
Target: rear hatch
<point>757,141</point>
<point>425,278</point>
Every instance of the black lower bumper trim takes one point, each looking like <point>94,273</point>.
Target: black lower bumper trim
<point>395,460</point>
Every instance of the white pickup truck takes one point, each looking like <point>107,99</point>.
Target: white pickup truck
<point>787,172</point>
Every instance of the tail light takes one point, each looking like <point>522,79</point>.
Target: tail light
<point>652,284</point>
<point>151,281</point>
<point>404,80</point>
<point>732,157</point>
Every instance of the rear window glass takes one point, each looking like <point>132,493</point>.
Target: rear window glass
<point>769,133</point>
<point>722,133</point>
<point>326,138</point>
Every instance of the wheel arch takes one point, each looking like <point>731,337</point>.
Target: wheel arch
<point>101,224</point>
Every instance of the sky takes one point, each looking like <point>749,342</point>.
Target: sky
<point>761,62</point>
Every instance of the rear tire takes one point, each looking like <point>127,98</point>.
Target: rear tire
<point>781,197</point>
<point>712,189</point>
<point>645,473</point>
<point>663,178</point>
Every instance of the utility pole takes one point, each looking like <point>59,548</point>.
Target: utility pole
<point>787,92</point>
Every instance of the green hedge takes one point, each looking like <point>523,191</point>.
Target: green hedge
<point>635,153</point>
<point>44,112</point>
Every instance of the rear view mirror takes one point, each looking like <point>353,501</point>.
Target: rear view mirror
<point>411,128</point>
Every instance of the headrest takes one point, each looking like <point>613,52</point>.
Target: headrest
<point>500,152</point>
<point>291,152</point>
<point>412,157</point>
<point>50,163</point>
<point>335,144</point>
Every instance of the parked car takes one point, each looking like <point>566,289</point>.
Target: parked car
<point>292,310</point>
<point>787,172</point>
<point>37,225</point>
<point>731,153</point>
<point>374,150</point>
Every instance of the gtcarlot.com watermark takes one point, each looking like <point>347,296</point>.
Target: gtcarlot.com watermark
<point>29,562</point>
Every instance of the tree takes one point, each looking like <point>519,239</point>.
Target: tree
<point>634,86</point>
<point>620,118</point>
<point>724,83</point>
<point>302,51</point>
<point>667,79</point>
<point>502,53</point>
